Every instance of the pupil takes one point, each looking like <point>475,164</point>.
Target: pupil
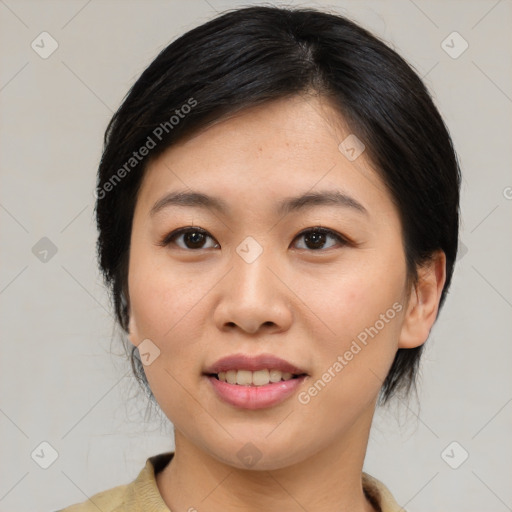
<point>317,239</point>
<point>194,237</point>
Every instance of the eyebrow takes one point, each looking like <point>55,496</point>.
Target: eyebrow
<point>284,207</point>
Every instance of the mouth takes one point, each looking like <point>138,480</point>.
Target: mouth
<point>257,370</point>
<point>255,378</point>
<point>254,382</point>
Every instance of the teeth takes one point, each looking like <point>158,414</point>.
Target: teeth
<point>258,378</point>
<point>244,378</point>
<point>275,375</point>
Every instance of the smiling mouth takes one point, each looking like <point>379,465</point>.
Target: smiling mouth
<point>254,378</point>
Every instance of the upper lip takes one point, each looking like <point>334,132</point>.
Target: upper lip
<point>252,363</point>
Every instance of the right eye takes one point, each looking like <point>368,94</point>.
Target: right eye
<point>193,238</point>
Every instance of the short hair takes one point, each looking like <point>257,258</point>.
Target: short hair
<point>252,55</point>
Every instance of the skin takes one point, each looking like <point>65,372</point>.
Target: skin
<point>198,305</point>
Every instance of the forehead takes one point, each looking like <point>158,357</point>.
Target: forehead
<point>265,153</point>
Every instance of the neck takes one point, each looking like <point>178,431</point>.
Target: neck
<point>330,480</point>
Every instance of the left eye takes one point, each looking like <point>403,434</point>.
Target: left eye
<point>194,238</point>
<point>317,237</point>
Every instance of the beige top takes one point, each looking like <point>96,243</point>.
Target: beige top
<point>143,495</point>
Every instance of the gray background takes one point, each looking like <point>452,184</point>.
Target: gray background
<point>63,377</point>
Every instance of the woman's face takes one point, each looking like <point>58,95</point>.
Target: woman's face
<point>255,279</point>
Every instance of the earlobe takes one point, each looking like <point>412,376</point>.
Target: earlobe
<point>424,302</point>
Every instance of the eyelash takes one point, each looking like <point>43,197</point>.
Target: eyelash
<point>168,239</point>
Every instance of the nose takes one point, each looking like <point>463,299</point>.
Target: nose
<point>252,298</point>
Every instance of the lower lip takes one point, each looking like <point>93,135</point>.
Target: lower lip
<point>255,397</point>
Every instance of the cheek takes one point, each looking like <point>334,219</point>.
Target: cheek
<point>162,295</point>
<point>166,307</point>
<point>350,302</point>
<point>169,306</point>
<point>363,312</point>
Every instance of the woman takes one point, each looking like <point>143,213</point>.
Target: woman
<point>278,212</point>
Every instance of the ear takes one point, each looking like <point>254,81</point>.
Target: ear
<point>423,302</point>
<point>133,331</point>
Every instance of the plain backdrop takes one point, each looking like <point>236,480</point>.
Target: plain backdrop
<point>63,377</point>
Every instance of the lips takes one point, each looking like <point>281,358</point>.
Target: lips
<point>253,364</point>
<point>251,382</point>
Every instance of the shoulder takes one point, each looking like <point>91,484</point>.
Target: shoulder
<point>106,501</point>
<point>141,494</point>
<point>379,495</point>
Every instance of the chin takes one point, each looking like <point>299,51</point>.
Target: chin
<point>259,454</point>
